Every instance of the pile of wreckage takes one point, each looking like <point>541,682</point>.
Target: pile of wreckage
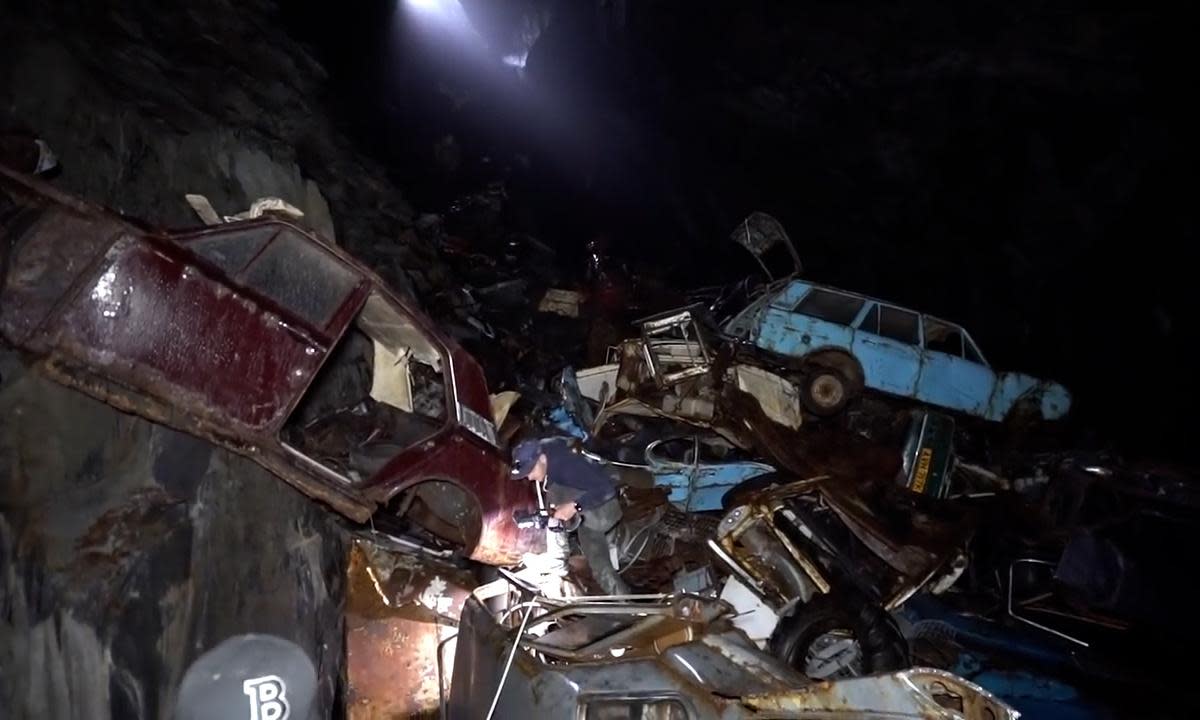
<point>804,527</point>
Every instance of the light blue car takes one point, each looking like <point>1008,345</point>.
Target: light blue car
<point>840,343</point>
<point>696,473</point>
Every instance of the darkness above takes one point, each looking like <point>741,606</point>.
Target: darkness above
<point>1021,168</point>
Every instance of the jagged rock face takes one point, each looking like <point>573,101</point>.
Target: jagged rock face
<point>128,549</point>
<point>143,103</point>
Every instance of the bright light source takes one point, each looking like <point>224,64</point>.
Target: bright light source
<point>426,5</point>
<point>517,61</point>
<point>447,15</point>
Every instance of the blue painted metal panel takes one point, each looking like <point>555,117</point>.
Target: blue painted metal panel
<point>888,366</point>
<point>562,419</point>
<point>711,482</point>
<point>1010,387</point>
<point>699,487</point>
<point>1053,399</point>
<point>794,335</point>
<point>1056,401</point>
<point>956,383</point>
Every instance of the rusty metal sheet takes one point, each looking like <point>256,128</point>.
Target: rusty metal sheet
<point>917,693</point>
<point>398,610</point>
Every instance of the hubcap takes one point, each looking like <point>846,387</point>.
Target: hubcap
<point>827,391</point>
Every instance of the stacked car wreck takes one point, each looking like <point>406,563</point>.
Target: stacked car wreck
<point>802,532</point>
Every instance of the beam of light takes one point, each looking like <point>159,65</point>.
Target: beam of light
<point>429,5</point>
<point>447,13</point>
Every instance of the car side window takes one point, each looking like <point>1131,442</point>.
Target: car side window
<point>870,321</point>
<point>830,306</point>
<point>891,322</point>
<point>301,276</point>
<point>943,337</point>
<point>899,325</point>
<point>230,251</point>
<point>972,352</point>
<point>635,710</point>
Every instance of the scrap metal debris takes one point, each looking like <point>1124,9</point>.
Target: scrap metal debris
<point>796,515</point>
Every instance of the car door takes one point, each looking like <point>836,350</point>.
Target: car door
<point>887,345</point>
<point>953,374</point>
<point>181,341</point>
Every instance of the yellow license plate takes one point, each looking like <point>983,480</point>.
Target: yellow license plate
<point>922,474</point>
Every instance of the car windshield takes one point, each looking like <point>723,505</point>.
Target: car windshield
<point>739,326</point>
<point>950,339</point>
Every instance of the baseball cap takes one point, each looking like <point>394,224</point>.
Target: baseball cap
<point>249,677</point>
<point>524,457</point>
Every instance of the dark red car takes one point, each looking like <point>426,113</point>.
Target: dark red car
<point>265,339</point>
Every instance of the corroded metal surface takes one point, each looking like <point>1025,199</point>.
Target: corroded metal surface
<point>702,671</point>
<point>138,319</point>
<point>398,610</point>
<point>916,693</point>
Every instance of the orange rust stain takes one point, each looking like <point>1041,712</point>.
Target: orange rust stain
<point>392,636</point>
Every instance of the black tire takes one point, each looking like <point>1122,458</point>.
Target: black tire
<point>741,493</point>
<point>881,644</point>
<point>825,392</point>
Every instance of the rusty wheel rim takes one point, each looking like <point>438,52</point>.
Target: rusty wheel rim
<point>828,391</point>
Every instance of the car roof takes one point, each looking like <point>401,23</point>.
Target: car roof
<point>869,298</point>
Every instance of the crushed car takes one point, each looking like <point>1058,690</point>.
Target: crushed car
<point>834,344</point>
<point>696,466</point>
<point>817,564</point>
<point>264,339</point>
<point>673,657</point>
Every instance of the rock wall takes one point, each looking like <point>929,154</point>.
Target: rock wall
<point>144,102</point>
<point>126,549</point>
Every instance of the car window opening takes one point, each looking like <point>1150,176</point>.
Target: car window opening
<point>830,306</point>
<point>943,337</point>
<point>973,353</point>
<point>899,325</point>
<point>382,390</point>
<point>231,252</point>
<point>301,277</point>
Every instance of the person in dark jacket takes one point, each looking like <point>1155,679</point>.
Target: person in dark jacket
<point>576,486</point>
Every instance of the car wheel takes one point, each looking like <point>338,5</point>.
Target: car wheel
<point>835,637</point>
<point>825,392</point>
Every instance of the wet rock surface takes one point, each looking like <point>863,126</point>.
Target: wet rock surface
<point>143,104</point>
<point>127,550</point>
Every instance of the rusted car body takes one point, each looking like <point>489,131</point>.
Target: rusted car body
<point>794,540</point>
<point>261,337</point>
<point>820,562</point>
<point>666,658</point>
